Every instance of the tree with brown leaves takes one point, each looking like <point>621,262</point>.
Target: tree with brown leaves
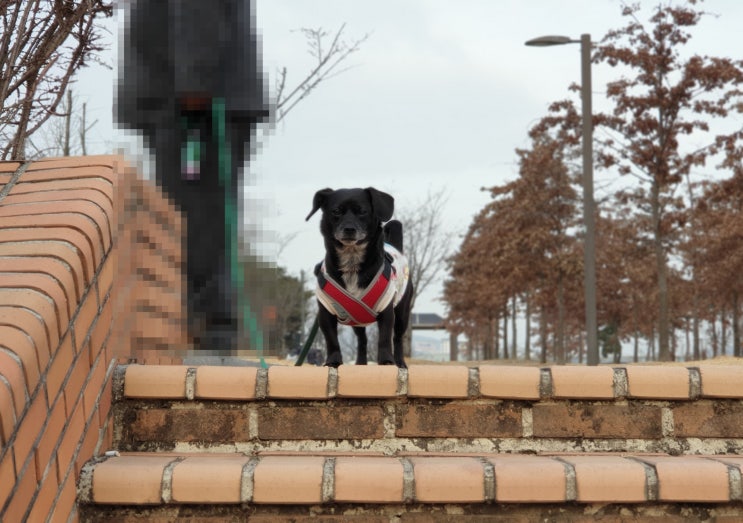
<point>664,101</point>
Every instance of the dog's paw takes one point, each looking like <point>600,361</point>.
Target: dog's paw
<point>334,360</point>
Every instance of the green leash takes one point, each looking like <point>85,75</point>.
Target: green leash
<point>249,321</point>
<point>308,343</point>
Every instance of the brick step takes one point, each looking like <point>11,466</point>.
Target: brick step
<point>226,486</point>
<point>490,409</point>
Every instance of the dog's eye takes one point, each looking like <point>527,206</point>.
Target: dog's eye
<point>337,212</point>
<point>362,212</point>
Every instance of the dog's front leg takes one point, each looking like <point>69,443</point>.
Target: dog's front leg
<point>385,322</point>
<point>329,327</point>
<point>361,344</point>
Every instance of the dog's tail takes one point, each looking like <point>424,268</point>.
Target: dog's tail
<point>393,234</point>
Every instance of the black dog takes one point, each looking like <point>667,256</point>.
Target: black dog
<point>364,277</point>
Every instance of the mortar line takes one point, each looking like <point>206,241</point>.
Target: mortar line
<point>247,480</point>
<point>571,484</point>
<point>166,483</point>
<point>651,478</point>
<point>408,481</point>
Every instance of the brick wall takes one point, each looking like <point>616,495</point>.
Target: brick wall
<point>69,228</point>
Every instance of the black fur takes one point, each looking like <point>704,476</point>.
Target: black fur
<point>351,227</point>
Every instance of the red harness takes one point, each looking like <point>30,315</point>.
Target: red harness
<point>350,310</point>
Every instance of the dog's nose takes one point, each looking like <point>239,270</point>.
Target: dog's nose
<point>349,231</point>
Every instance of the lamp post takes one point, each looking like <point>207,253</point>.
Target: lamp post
<point>589,247</point>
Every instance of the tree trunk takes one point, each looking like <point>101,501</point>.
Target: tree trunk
<point>736,326</point>
<point>543,336</point>
<point>453,347</point>
<point>67,125</point>
<point>514,337</point>
<point>723,332</point>
<point>505,331</point>
<point>714,336</point>
<point>664,353</point>
<point>527,341</point>
<point>560,342</point>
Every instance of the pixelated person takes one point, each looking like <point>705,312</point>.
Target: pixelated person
<point>191,84</point>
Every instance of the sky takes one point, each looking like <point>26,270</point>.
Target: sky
<point>437,99</point>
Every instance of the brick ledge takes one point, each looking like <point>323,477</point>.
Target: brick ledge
<point>166,479</point>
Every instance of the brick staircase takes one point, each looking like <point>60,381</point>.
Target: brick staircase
<point>433,443</point>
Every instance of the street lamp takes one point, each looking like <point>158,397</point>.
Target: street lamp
<point>589,247</point>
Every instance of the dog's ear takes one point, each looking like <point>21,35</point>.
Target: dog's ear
<point>318,202</point>
<point>382,203</point>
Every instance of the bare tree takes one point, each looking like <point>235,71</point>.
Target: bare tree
<point>65,134</point>
<point>427,245</point>
<point>42,44</point>
<point>328,57</point>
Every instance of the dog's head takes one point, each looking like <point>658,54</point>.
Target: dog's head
<point>350,216</point>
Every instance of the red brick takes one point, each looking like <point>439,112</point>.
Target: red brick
<point>431,381</point>
<point>26,487</point>
<point>56,250</point>
<point>523,478</point>
<point>225,382</point>
<point>7,476</point>
<point>30,324</point>
<point>100,187</point>
<point>72,435</point>
<point>45,284</point>
<point>129,479</point>
<point>279,479</point>
<point>449,480</point>
<point>48,267</point>
<point>13,374</point>
<point>59,367</point>
<point>94,387</point>
<point>508,381</point>
<point>708,419</point>
<point>360,479</point>
<point>63,211</point>
<point>78,168</point>
<point>16,342</point>
<point>87,449</point>
<point>77,377</point>
<point>68,223</point>
<point>55,424</point>
<point>582,382</point>
<point>8,415</point>
<point>208,479</point>
<point>66,501</point>
<point>155,381</point>
<point>307,382</point>
<point>106,277</point>
<point>324,422</point>
<point>29,429</point>
<point>501,420</point>
<point>690,479</point>
<point>86,315</point>
<point>579,420</point>
<point>57,235</point>
<point>608,479</point>
<point>104,404</point>
<point>61,191</point>
<point>188,425</point>
<point>36,302</point>
<point>44,501</point>
<point>367,381</point>
<point>722,381</point>
<point>101,328</point>
<point>658,382</point>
